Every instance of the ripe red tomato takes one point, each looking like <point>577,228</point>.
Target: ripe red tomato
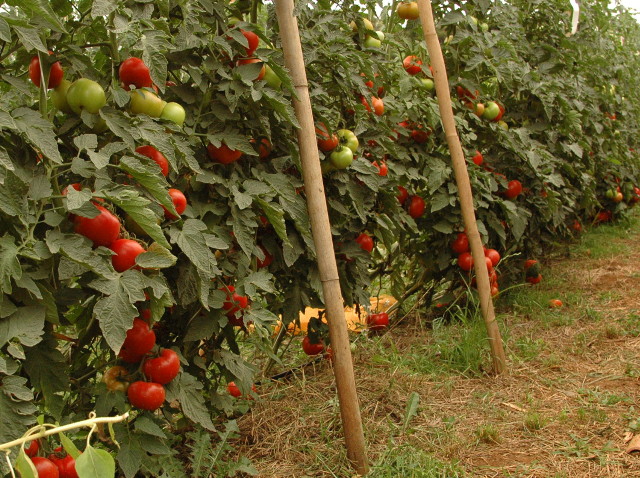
<point>500,114</point>
<point>248,61</point>
<point>534,280</point>
<point>478,158</point>
<point>114,380</point>
<point>555,304</point>
<point>494,290</point>
<point>126,252</point>
<point>576,226</point>
<point>412,64</point>
<point>32,449</point>
<point>419,135</point>
<point>179,202</point>
<point>460,244</point>
<point>378,321</point>
<point>162,369</point>
<point>234,303</point>
<point>365,241</point>
<point>493,255</point>
<point>155,155</point>
<point>76,186</point>
<point>139,341</point>
<point>264,148</point>
<point>223,154</point>
<point>146,395</point>
<point>403,195</point>
<point>489,263</point>
<point>416,207</point>
<point>233,390</point>
<point>465,261</point>
<point>382,167</point>
<point>55,73</point>
<point>133,71</point>
<point>376,104</point>
<point>326,143</point>
<point>268,258</point>
<point>253,40</point>
<point>45,467</point>
<point>514,189</point>
<point>102,229</point>
<point>311,348</point>
<point>529,263</point>
<point>66,463</point>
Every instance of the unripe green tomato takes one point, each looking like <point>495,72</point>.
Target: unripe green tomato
<point>491,110</point>
<point>341,157</point>
<point>271,78</point>
<point>147,103</point>
<point>174,112</point>
<point>86,94</point>
<point>427,83</point>
<point>371,42</point>
<point>348,138</point>
<point>59,96</point>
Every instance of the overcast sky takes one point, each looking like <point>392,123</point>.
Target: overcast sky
<point>635,4</point>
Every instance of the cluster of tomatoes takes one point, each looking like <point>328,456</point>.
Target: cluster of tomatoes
<point>58,464</point>
<point>414,205</point>
<point>339,146</point>
<point>460,246</point>
<point>158,369</point>
<point>492,110</point>
<point>532,271</point>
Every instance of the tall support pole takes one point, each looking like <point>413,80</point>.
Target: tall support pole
<point>464,185</point>
<point>323,240</point>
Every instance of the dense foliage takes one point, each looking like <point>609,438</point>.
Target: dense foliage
<point>212,278</point>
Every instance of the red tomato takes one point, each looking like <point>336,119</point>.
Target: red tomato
<point>499,117</point>
<point>264,147</point>
<point>494,290</point>
<point>32,449</point>
<point>268,258</point>
<point>382,167</point>
<point>403,195</point>
<point>76,186</point>
<point>126,252</point>
<point>45,467</point>
<point>514,188</point>
<point>416,207</point>
<point>489,264</point>
<point>529,263</point>
<point>139,341</point>
<point>234,303</point>
<point>465,93</point>
<point>465,261</point>
<point>412,64</point>
<point>365,241</point>
<point>378,321</point>
<point>223,154</point>
<point>55,73</point>
<point>156,156</point>
<point>66,463</point>
<point>248,61</point>
<point>493,255</point>
<point>179,202</point>
<point>555,304</point>
<point>576,226</point>
<point>133,71</point>
<point>253,40</point>
<point>311,348</point>
<point>478,158</point>
<point>146,395</point>
<point>233,390</point>
<point>534,280</point>
<point>419,135</point>
<point>162,369</point>
<point>461,243</point>
<point>102,230</point>
<point>326,143</point>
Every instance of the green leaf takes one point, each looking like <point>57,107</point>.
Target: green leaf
<point>411,410</point>
<point>30,38</point>
<point>103,8</point>
<point>119,125</point>
<point>95,463</point>
<point>47,370</point>
<point>26,325</point>
<point>116,312</point>
<point>9,263</point>
<point>79,249</point>
<point>146,172</point>
<point>275,216</point>
<point>38,131</point>
<point>187,390</point>
<point>5,32</point>
<point>43,11</point>
<point>17,410</point>
<point>13,201</point>
<point>193,242</point>
<point>156,257</point>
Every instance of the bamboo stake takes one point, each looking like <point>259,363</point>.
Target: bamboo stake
<point>323,240</point>
<point>464,186</point>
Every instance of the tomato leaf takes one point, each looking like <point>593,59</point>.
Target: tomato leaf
<point>193,242</point>
<point>46,368</point>
<point>9,264</point>
<point>156,257</point>
<point>187,390</point>
<point>16,407</point>
<point>95,463</point>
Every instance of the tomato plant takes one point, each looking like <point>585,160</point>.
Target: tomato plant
<point>126,251</point>
<point>162,369</point>
<point>139,341</point>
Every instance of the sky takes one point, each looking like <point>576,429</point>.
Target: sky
<point>635,4</point>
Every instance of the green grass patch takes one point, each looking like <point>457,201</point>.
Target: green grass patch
<point>410,462</point>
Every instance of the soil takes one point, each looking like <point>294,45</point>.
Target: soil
<point>567,408</point>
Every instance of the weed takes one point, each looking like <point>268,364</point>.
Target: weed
<point>488,433</point>
<point>534,421</point>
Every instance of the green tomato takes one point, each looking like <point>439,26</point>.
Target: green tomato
<point>271,78</point>
<point>147,103</point>
<point>85,94</point>
<point>341,157</point>
<point>610,193</point>
<point>427,83</point>
<point>484,27</point>
<point>371,42</point>
<point>174,112</point>
<point>348,139</point>
<point>59,96</point>
<point>491,110</point>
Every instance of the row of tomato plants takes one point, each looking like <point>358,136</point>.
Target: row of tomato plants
<point>186,225</point>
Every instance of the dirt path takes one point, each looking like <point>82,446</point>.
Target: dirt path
<point>568,406</point>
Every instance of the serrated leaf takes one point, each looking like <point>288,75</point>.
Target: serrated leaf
<point>192,241</point>
<point>119,125</point>
<point>9,263</point>
<point>26,325</point>
<point>5,32</point>
<point>115,314</point>
<point>145,171</point>
<point>79,249</point>
<point>30,38</point>
<point>188,392</point>
<point>156,257</point>
<point>103,8</point>
<point>275,216</point>
<point>17,410</point>
<point>146,425</point>
<point>38,131</point>
<point>47,370</point>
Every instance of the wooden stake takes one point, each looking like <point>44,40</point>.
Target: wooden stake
<point>464,186</point>
<point>323,240</point>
